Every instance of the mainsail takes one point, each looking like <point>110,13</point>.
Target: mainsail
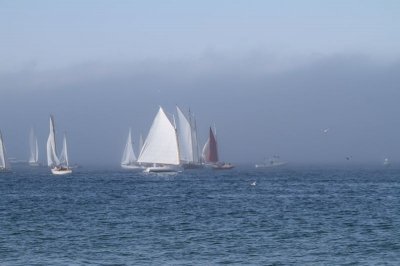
<point>129,156</point>
<point>161,145</point>
<point>34,151</point>
<point>184,137</point>
<point>210,151</point>
<point>52,159</point>
<point>4,164</point>
<point>195,144</point>
<point>64,153</point>
<point>140,144</point>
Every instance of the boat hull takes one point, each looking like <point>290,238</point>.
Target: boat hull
<point>270,165</point>
<point>131,167</point>
<point>192,166</point>
<point>65,171</point>
<point>224,166</point>
<point>162,169</point>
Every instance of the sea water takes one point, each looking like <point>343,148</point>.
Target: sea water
<point>302,216</point>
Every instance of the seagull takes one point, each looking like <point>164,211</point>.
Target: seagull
<point>254,183</point>
<point>325,131</point>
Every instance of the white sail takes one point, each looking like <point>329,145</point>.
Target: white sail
<point>4,164</point>
<point>140,144</point>
<point>206,150</point>
<point>52,159</point>
<point>161,145</point>
<point>34,151</point>
<point>128,156</point>
<point>184,137</point>
<point>195,144</point>
<point>37,151</point>
<point>64,153</point>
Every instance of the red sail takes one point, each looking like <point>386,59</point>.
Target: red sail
<point>212,155</point>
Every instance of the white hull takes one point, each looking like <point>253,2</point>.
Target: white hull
<point>192,166</point>
<point>131,166</point>
<point>162,169</point>
<point>270,165</point>
<point>222,166</point>
<point>65,171</point>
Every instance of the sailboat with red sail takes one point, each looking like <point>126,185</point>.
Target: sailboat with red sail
<point>210,154</point>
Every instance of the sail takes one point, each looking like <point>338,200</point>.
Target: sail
<point>34,152</point>
<point>37,151</point>
<point>184,137</point>
<point>210,151</point>
<point>161,144</point>
<point>129,156</point>
<point>4,164</point>
<point>140,144</point>
<point>52,159</point>
<point>195,144</point>
<point>64,153</point>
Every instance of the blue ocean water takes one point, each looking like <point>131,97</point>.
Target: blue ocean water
<point>302,216</point>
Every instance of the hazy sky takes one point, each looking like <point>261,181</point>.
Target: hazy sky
<point>269,74</point>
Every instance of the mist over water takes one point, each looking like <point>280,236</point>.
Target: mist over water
<point>258,110</point>
<point>270,75</point>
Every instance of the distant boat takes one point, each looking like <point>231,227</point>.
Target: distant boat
<point>129,158</point>
<point>4,163</point>
<point>13,160</point>
<point>58,166</point>
<point>160,148</point>
<point>386,162</point>
<point>210,154</point>
<point>187,138</point>
<point>34,151</point>
<point>272,162</point>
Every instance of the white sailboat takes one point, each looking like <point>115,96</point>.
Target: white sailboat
<point>129,158</point>
<point>4,163</point>
<point>161,146</point>
<point>58,167</point>
<point>34,150</point>
<point>187,137</point>
<point>274,161</point>
<point>386,162</point>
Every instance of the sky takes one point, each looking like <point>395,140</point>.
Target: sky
<point>271,75</point>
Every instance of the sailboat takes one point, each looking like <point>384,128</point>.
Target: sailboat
<point>160,148</point>
<point>187,137</point>
<point>272,162</point>
<point>210,154</point>
<point>58,166</point>
<point>129,158</point>
<point>34,151</point>
<point>4,163</point>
